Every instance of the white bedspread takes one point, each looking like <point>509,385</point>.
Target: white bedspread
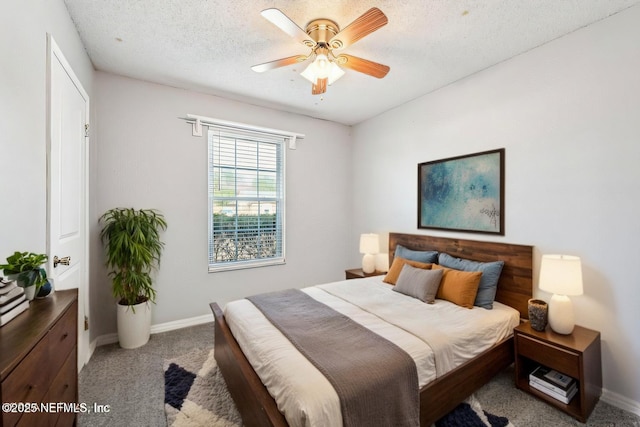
<point>439,337</point>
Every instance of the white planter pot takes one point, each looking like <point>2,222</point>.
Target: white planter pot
<point>134,324</point>
<point>30,292</point>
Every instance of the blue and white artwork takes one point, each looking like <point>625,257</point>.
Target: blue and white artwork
<point>463,193</point>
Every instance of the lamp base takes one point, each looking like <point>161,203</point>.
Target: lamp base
<point>561,317</point>
<point>368,263</point>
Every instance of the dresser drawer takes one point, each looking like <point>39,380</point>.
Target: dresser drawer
<point>562,360</point>
<point>63,338</point>
<point>35,419</point>
<point>29,381</point>
<point>64,388</point>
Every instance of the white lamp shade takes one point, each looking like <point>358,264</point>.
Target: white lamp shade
<point>369,244</point>
<point>318,69</point>
<point>335,73</point>
<point>561,274</point>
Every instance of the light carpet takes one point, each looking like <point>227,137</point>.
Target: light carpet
<point>196,395</point>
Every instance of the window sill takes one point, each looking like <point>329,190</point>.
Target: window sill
<point>241,265</point>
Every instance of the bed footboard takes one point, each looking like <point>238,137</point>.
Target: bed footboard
<point>255,404</point>
<point>441,396</point>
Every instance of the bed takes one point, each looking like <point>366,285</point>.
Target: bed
<point>439,396</point>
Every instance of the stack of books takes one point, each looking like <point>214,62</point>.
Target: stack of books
<point>12,301</point>
<point>553,383</point>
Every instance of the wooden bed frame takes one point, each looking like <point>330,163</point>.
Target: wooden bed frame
<point>437,398</point>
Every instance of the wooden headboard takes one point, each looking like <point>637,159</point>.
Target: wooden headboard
<point>515,286</point>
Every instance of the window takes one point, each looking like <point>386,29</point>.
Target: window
<point>246,198</point>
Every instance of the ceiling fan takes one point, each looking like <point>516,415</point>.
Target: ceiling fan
<point>325,39</point>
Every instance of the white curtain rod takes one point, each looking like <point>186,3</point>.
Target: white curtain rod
<point>198,121</point>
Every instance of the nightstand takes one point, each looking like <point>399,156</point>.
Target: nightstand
<point>357,273</point>
<point>576,355</point>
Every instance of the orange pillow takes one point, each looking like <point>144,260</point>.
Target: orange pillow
<point>459,287</point>
<point>396,268</point>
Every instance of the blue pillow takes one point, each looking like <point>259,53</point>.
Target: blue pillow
<point>420,256</point>
<point>489,281</point>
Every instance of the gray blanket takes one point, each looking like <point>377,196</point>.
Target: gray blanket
<point>376,381</point>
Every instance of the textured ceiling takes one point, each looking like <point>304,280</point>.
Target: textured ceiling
<point>210,45</point>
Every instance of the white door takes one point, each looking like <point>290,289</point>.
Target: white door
<point>67,191</point>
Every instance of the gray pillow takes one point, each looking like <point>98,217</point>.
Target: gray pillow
<point>489,281</point>
<point>420,256</point>
<point>419,283</point>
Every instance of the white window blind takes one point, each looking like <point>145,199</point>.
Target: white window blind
<point>246,198</point>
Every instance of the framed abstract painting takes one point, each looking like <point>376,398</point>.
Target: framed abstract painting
<point>464,193</point>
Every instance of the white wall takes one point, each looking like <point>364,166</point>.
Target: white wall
<point>568,114</point>
<point>148,159</point>
<point>23,52</point>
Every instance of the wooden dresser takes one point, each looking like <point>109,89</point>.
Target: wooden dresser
<point>38,363</point>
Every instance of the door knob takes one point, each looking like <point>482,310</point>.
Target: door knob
<point>64,261</point>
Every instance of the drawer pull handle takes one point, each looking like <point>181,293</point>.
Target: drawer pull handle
<point>65,335</point>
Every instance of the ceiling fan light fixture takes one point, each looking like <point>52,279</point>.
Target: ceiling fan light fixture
<point>318,69</point>
<point>309,73</point>
<point>322,68</point>
<point>322,36</point>
<point>335,73</point>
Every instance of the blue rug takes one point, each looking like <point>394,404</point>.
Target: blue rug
<point>470,414</point>
<point>196,395</point>
<point>177,383</point>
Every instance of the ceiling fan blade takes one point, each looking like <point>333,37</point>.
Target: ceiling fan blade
<point>320,87</point>
<point>260,68</point>
<point>366,24</point>
<point>282,21</point>
<point>362,65</point>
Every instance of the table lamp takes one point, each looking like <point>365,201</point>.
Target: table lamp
<point>369,246</point>
<point>562,276</point>
<point>382,262</point>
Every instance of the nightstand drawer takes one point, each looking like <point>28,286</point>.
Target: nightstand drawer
<point>562,360</point>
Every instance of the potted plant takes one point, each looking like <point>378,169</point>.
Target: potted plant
<point>133,247</point>
<point>26,268</point>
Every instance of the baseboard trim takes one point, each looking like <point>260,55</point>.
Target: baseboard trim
<point>620,401</point>
<point>156,329</point>
<point>179,324</point>
<point>106,339</point>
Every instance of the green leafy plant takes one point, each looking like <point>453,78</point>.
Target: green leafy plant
<point>133,247</point>
<point>27,266</point>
